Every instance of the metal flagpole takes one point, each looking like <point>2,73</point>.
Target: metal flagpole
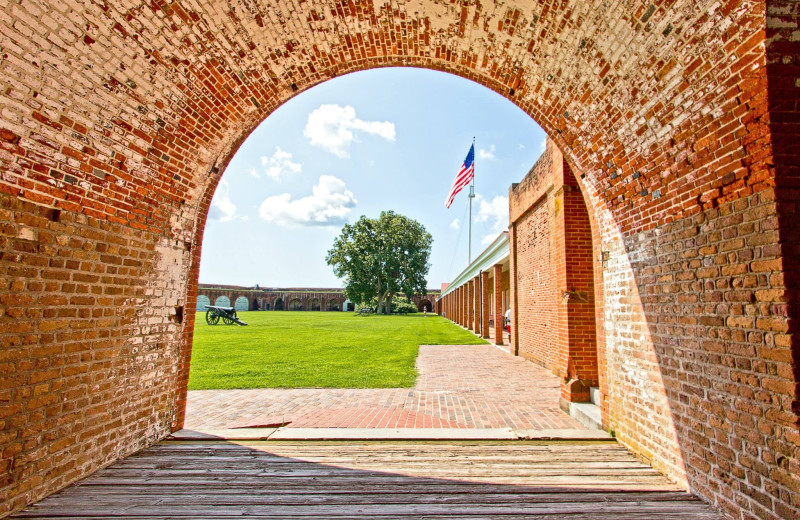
<point>471,196</point>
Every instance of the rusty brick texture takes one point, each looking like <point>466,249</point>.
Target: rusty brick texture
<point>534,274</point>
<point>553,271</point>
<point>679,119</point>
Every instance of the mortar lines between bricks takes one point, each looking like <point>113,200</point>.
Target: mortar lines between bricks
<point>475,386</point>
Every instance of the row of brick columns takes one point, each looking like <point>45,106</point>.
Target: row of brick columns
<point>468,305</point>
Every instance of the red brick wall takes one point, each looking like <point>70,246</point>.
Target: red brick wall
<point>576,311</point>
<point>700,327</point>
<point>113,116</point>
<point>553,269</point>
<point>535,285</point>
<point>90,345</point>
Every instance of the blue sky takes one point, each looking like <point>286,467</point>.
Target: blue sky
<point>383,139</point>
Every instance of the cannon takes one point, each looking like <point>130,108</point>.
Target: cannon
<point>227,314</point>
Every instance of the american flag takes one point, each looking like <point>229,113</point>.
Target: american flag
<point>463,177</point>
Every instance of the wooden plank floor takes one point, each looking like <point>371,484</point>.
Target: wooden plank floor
<point>372,480</point>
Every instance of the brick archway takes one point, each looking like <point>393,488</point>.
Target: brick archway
<point>119,120</point>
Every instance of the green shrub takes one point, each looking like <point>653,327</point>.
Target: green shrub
<point>401,305</point>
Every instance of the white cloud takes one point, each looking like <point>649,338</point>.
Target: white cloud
<point>495,214</point>
<point>222,208</point>
<point>331,127</point>
<point>521,146</point>
<point>486,154</point>
<point>278,165</point>
<point>543,145</point>
<point>455,224</point>
<point>329,204</point>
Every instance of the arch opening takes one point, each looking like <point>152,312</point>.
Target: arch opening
<point>679,131</point>
<point>202,302</point>
<point>241,303</point>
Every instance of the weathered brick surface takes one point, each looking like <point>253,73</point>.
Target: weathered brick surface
<point>497,276</point>
<point>700,358</point>
<point>534,289</point>
<point>552,265</point>
<point>90,345</point>
<point>122,115</point>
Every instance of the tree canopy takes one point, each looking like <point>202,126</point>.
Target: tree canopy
<point>378,258</point>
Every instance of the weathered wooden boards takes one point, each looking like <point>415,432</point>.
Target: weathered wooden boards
<point>372,480</point>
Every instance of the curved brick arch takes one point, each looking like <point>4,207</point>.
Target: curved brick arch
<point>119,119</point>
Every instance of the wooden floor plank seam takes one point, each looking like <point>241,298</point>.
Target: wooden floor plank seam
<point>375,481</point>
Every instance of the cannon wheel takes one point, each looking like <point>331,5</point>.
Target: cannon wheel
<point>229,320</point>
<point>212,318</point>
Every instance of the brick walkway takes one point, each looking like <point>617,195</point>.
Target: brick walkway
<point>475,386</point>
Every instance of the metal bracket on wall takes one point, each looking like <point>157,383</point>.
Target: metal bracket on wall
<point>574,297</point>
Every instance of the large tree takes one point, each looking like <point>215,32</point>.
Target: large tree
<point>378,258</point>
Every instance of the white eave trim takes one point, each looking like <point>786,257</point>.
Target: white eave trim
<point>496,253</point>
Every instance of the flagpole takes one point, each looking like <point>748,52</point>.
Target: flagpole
<point>471,196</point>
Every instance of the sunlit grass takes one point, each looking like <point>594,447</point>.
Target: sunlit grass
<point>316,349</point>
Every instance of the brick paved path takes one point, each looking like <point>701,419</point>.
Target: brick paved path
<point>466,386</point>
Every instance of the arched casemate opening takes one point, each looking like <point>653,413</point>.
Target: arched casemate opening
<point>279,304</point>
<point>241,303</point>
<point>679,120</point>
<point>202,301</point>
<point>295,305</point>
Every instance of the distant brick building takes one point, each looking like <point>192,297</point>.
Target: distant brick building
<point>288,299</point>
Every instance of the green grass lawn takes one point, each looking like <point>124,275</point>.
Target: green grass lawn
<point>316,349</point>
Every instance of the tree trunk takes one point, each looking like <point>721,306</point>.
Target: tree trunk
<point>389,303</point>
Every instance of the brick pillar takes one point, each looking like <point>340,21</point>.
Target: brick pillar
<point>470,298</point>
<point>464,313</point>
<point>460,305</point>
<point>451,308</point>
<point>456,308</point>
<point>476,305</point>
<point>459,308</point>
<point>498,304</point>
<point>573,258</point>
<point>468,305</point>
<point>485,304</point>
<point>465,304</point>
